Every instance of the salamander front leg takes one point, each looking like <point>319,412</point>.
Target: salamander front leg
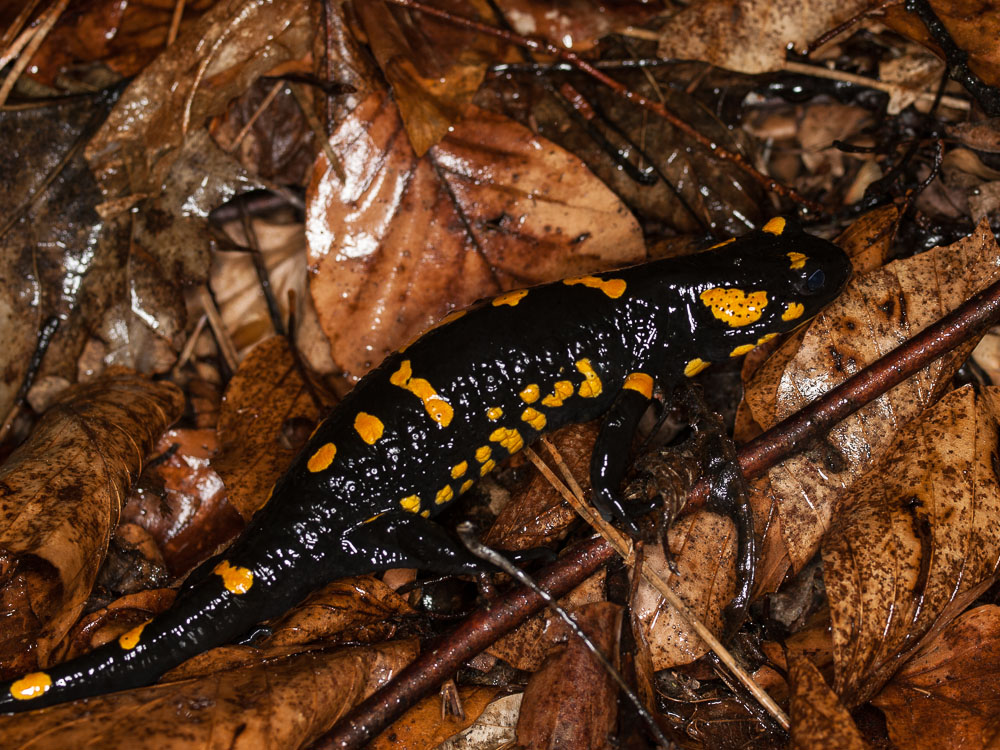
<point>613,450</point>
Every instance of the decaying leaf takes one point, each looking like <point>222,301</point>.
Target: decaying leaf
<point>61,492</point>
<point>920,534</point>
<point>819,720</point>
<point>424,726</point>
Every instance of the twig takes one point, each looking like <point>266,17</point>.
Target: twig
<point>175,22</point>
<point>32,47</point>
<point>275,89</point>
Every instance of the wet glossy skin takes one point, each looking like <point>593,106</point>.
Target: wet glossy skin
<point>418,431</point>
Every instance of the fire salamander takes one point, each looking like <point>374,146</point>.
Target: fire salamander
<point>437,415</point>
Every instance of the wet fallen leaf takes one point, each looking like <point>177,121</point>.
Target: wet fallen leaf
<point>424,726</point>
<point>405,240</point>
<point>61,492</point>
<point>577,25</point>
<point>819,719</point>
<point>493,729</point>
<point>948,695</point>
<point>919,535</point>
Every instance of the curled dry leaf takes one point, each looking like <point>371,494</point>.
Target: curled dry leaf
<point>264,408</point>
<point>948,695</point>
<point>281,702</point>
<point>703,546</point>
<point>819,720</point>
<point>61,492</point>
<point>404,240</point>
<point>921,531</point>
<point>424,726</point>
<point>877,312</point>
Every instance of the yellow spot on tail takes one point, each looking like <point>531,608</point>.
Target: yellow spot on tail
<point>793,311</point>
<point>411,503</point>
<point>483,453</point>
<point>510,440</point>
<point>510,298</point>
<point>30,686</point>
<point>695,366</point>
<point>614,288</point>
<point>494,413</point>
<point>739,351</point>
<point>591,386</point>
<point>530,394</point>
<point>734,306</point>
<point>534,418</point>
<point>561,391</point>
<point>130,639</point>
<point>798,260</point>
<point>487,467</point>
<point>322,458</point>
<point>717,245</point>
<point>237,580</point>
<point>766,337</point>
<point>425,514</point>
<point>444,494</point>
<point>459,469</point>
<point>368,427</point>
<point>466,485</point>
<point>774,226</point>
<point>641,382</point>
<point>439,409</point>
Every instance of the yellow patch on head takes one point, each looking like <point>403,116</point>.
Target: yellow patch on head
<point>494,413</point>
<point>510,298</point>
<point>798,260</point>
<point>411,503</point>
<point>322,458</point>
<point>734,306</point>
<point>459,469</point>
<point>30,686</point>
<point>444,494</point>
<point>510,440</point>
<point>487,467</point>
<point>640,382</point>
<point>237,580</point>
<point>534,418</point>
<point>439,409</point>
<point>591,386</point>
<point>483,453</point>
<point>466,486</point>
<point>130,640</point>
<point>739,351</point>
<point>793,311</point>
<point>368,427</point>
<point>766,337</point>
<point>530,394</point>
<point>774,226</point>
<point>695,366</point>
<point>561,391</point>
<point>614,288</point>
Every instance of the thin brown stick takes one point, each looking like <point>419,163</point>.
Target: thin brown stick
<point>14,38</point>
<point>32,47</point>
<point>275,89</point>
<point>175,22</point>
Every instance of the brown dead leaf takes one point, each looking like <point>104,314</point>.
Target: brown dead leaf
<point>920,532</point>
<point>948,695</point>
<point>264,406</point>
<point>703,546</point>
<point>273,703</point>
<point>877,312</point>
<point>405,240</point>
<point>61,492</point>
<point>819,720</point>
<point>577,25</point>
<point>423,726</point>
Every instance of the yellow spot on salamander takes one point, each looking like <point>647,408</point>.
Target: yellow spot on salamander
<point>130,640</point>
<point>798,260</point>
<point>466,485</point>
<point>591,386</point>
<point>494,413</point>
<point>510,298</point>
<point>444,494</point>
<point>459,469</point>
<point>483,453</point>
<point>717,245</point>
<point>237,580</point>
<point>411,503</point>
<point>322,458</point>
<point>375,517</point>
<point>439,409</point>
<point>368,427</point>
<point>451,317</point>
<point>793,311</point>
<point>561,391</point>
<point>766,337</point>
<point>487,467</point>
<point>510,440</point>
<point>774,226</point>
<point>425,514</point>
<point>30,686</point>
<point>641,382</point>
<point>695,366</point>
<point>530,394</point>
<point>534,417</point>
<point>739,351</point>
<point>734,306</point>
<point>614,288</point>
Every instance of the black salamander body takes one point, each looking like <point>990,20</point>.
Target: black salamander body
<point>417,432</point>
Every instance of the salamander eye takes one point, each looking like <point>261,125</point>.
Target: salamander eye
<point>816,280</point>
